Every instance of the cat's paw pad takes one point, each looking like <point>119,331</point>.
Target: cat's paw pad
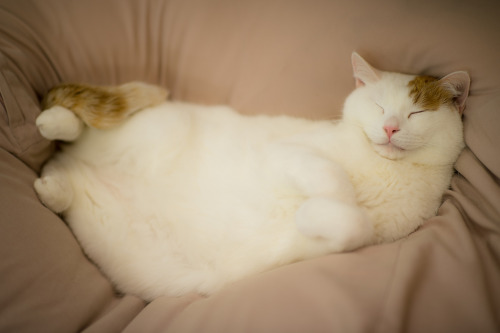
<point>59,123</point>
<point>344,225</point>
<point>54,193</point>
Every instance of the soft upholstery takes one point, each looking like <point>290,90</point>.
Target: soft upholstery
<point>260,56</point>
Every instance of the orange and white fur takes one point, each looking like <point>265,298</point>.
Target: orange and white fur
<point>180,197</point>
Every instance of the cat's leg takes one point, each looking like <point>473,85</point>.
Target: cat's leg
<point>54,188</point>
<point>330,211</point>
<point>344,226</point>
<point>105,106</point>
<point>59,123</point>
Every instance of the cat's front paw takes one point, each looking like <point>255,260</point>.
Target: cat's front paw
<point>59,123</point>
<point>54,193</point>
<point>343,225</point>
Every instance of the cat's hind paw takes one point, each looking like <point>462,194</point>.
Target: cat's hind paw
<point>54,193</point>
<point>59,123</point>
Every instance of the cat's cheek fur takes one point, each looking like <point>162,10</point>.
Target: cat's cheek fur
<point>444,141</point>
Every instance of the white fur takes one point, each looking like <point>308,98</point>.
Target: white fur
<point>186,198</point>
<point>59,123</point>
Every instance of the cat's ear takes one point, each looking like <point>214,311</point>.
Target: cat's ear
<point>458,84</point>
<point>364,73</point>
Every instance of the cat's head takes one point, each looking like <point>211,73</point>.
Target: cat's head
<point>409,117</point>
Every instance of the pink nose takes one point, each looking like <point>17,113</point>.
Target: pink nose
<point>390,130</point>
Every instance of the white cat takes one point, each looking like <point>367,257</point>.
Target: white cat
<point>180,197</point>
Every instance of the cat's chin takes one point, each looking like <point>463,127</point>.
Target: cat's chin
<point>389,151</point>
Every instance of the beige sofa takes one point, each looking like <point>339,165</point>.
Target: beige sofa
<point>260,56</point>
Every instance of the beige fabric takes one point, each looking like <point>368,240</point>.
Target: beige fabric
<point>260,56</point>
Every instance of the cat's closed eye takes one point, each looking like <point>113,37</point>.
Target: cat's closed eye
<point>416,112</point>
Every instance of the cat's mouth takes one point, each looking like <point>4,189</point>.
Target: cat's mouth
<point>389,150</point>
<point>392,146</point>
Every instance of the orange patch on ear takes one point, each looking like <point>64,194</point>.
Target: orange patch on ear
<point>428,93</point>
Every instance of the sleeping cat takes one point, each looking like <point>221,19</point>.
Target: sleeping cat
<point>181,197</point>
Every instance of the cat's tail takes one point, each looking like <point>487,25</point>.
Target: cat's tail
<point>104,106</point>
